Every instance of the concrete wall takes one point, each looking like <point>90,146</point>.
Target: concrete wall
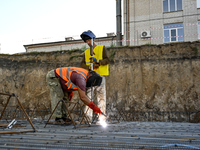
<point>148,15</point>
<point>68,45</point>
<point>149,77</point>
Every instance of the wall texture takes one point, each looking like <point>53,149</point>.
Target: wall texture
<point>149,77</point>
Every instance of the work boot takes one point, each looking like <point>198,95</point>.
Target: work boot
<point>66,119</point>
<point>58,119</point>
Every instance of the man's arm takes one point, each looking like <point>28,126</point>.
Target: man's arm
<point>83,96</point>
<point>83,64</point>
<point>105,59</point>
<point>87,102</point>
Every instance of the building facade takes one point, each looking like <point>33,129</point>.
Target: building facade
<point>161,21</point>
<point>69,44</point>
<point>144,22</point>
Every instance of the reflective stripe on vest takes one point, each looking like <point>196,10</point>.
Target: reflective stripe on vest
<point>102,70</point>
<point>69,83</point>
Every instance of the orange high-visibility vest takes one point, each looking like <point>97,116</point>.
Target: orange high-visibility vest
<point>65,74</point>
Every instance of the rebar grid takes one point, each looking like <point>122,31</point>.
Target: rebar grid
<point>118,115</point>
<point>126,135</point>
<point>115,114</point>
<point>154,116</point>
<point>13,122</point>
<point>150,130</point>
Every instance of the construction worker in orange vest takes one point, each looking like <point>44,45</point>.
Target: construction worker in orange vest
<point>66,80</point>
<point>100,62</point>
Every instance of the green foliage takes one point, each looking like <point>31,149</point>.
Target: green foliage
<point>55,55</point>
<point>112,55</point>
<point>149,44</point>
<point>4,54</point>
<point>126,45</point>
<point>73,50</point>
<point>112,45</point>
<point>83,48</point>
<point>74,56</point>
<point>195,49</point>
<point>34,52</point>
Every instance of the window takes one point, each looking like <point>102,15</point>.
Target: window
<point>173,32</point>
<point>198,29</point>
<point>198,3</point>
<point>172,5</point>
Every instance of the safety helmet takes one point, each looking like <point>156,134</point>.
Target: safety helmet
<point>94,80</point>
<point>87,35</point>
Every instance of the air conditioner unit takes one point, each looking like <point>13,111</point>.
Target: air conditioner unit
<point>145,34</point>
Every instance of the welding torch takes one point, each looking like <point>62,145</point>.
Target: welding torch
<point>104,114</point>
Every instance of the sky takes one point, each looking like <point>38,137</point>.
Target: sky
<point>24,22</point>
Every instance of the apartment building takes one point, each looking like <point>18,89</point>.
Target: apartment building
<point>160,21</point>
<point>144,22</point>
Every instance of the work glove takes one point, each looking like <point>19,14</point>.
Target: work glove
<point>95,66</point>
<point>70,95</point>
<point>94,108</point>
<point>94,60</point>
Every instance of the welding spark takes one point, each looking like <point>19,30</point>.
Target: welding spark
<point>103,121</point>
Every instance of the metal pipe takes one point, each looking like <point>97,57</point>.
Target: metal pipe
<point>5,105</point>
<point>52,113</point>
<point>127,22</point>
<point>91,53</point>
<point>26,114</point>
<point>5,94</point>
<point>12,132</point>
<point>69,114</point>
<point>119,24</point>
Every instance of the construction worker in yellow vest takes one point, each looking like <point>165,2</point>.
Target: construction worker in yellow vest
<point>100,65</point>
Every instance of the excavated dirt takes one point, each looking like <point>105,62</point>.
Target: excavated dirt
<point>150,77</point>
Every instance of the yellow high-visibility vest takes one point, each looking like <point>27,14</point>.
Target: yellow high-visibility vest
<point>103,70</point>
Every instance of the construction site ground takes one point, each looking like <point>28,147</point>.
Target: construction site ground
<point>120,135</point>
